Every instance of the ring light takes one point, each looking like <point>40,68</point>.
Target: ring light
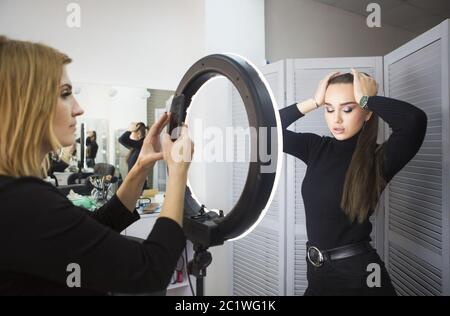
<point>207,228</point>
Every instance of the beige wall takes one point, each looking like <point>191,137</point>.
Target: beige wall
<point>133,44</point>
<point>308,29</point>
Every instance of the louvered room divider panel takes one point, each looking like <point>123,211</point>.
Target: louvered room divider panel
<point>417,201</point>
<point>412,275</point>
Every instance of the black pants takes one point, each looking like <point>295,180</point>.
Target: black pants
<point>349,277</point>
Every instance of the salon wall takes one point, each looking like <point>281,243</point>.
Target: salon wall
<point>234,26</point>
<point>134,44</point>
<point>308,29</point>
<point>227,30</point>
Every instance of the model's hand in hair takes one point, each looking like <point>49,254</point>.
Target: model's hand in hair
<point>319,97</point>
<point>132,128</point>
<point>363,84</point>
<point>151,147</point>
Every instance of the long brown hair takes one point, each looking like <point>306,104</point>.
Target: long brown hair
<point>30,76</point>
<point>364,180</point>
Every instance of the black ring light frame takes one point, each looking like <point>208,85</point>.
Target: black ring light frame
<point>209,228</point>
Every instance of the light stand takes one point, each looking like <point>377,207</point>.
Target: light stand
<point>197,267</point>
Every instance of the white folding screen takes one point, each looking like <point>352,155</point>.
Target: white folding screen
<point>302,78</point>
<point>259,258</point>
<point>411,229</point>
<point>417,204</point>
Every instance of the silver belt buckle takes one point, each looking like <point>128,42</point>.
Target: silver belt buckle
<point>317,260</point>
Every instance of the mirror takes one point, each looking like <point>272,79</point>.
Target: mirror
<point>108,110</point>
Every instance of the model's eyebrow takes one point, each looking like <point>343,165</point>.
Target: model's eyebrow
<point>66,85</point>
<point>343,103</point>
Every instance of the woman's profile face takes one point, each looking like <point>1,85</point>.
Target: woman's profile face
<point>344,116</point>
<point>67,109</point>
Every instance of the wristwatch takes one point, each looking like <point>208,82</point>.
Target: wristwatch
<point>363,102</point>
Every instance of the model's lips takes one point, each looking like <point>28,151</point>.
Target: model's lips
<point>338,130</point>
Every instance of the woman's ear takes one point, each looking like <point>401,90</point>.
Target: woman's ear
<point>368,116</point>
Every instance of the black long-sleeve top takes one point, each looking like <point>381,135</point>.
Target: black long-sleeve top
<point>91,148</point>
<point>134,145</point>
<point>328,159</point>
<point>42,232</point>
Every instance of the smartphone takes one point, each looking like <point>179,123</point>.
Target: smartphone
<point>177,117</point>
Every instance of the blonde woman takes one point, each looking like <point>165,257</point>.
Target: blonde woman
<point>345,177</point>
<point>41,232</point>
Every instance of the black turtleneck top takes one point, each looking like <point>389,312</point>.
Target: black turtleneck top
<point>328,159</point>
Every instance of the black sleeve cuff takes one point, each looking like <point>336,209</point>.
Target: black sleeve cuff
<point>115,215</point>
<point>293,111</point>
<point>168,232</point>
<point>123,212</point>
<point>289,115</point>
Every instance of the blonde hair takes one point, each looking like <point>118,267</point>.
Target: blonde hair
<point>30,77</point>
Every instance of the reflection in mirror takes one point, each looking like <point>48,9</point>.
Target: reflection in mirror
<point>159,102</point>
<point>121,154</point>
<point>101,129</point>
<point>108,110</point>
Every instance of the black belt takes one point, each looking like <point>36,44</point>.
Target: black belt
<point>318,257</point>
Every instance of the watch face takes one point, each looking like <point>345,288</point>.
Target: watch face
<point>363,101</point>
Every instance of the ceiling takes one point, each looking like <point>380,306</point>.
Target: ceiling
<point>416,16</point>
